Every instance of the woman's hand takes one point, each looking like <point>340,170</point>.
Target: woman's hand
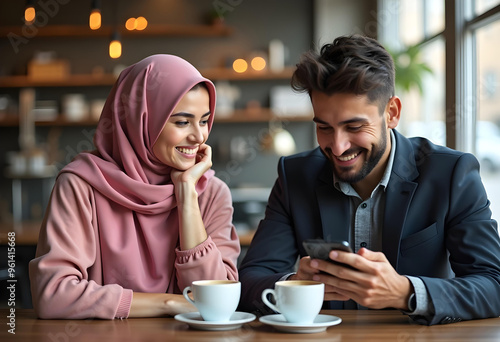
<point>159,304</point>
<point>191,228</point>
<point>194,173</point>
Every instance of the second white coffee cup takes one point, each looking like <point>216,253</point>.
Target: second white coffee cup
<point>216,300</point>
<point>299,301</point>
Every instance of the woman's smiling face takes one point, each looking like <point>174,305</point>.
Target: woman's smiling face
<point>185,130</point>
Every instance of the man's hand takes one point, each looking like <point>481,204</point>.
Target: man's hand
<point>374,283</point>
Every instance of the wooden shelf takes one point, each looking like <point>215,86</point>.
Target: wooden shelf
<point>13,121</point>
<point>74,31</point>
<point>231,75</point>
<point>246,238</point>
<point>238,116</point>
<point>48,171</point>
<point>26,232</point>
<point>81,80</point>
<point>260,115</point>
<point>61,121</point>
<point>89,80</point>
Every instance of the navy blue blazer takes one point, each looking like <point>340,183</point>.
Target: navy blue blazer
<point>437,226</point>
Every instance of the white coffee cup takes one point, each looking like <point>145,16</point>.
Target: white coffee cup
<point>300,301</point>
<point>216,300</point>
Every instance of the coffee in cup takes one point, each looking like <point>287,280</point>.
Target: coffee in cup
<point>216,300</point>
<point>299,301</point>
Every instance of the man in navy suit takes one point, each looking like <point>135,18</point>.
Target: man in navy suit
<point>416,214</point>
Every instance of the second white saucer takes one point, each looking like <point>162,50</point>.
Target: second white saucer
<point>195,321</point>
<point>321,322</point>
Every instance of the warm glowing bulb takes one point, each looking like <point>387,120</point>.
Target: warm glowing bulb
<point>141,23</point>
<point>95,19</point>
<point>131,24</point>
<point>29,14</point>
<point>258,63</point>
<point>115,49</point>
<point>240,65</point>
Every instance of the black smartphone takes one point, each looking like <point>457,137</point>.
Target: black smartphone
<point>319,249</point>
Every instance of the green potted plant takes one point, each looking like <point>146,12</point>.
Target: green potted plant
<point>410,70</point>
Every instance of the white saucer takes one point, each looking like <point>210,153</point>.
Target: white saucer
<point>321,322</point>
<point>195,321</point>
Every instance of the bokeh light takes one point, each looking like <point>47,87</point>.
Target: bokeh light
<point>240,65</point>
<point>29,15</point>
<point>131,24</point>
<point>258,63</point>
<point>141,23</point>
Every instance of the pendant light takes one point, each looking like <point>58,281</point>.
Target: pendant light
<point>115,46</point>
<point>95,15</point>
<point>29,12</point>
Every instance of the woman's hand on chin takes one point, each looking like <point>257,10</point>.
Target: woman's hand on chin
<point>194,173</point>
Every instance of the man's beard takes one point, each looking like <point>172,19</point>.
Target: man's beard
<point>367,167</point>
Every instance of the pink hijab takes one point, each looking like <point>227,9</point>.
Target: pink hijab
<point>135,205</point>
<point>123,168</point>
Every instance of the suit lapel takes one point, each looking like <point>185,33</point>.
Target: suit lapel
<point>398,199</point>
<point>399,194</point>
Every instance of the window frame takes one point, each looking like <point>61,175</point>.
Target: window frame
<point>461,24</point>
<point>461,90</point>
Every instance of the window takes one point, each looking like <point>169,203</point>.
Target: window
<point>487,147</point>
<point>418,24</point>
<point>419,20</point>
<point>465,114</point>
<point>482,6</point>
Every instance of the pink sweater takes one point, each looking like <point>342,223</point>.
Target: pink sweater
<point>78,273</point>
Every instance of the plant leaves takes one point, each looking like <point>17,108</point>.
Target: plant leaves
<point>410,70</point>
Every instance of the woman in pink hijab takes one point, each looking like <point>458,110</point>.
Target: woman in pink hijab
<point>132,223</point>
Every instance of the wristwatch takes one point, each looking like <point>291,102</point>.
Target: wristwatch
<point>412,302</point>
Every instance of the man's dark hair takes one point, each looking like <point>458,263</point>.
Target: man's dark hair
<point>351,64</point>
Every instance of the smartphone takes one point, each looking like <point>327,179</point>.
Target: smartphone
<point>319,249</point>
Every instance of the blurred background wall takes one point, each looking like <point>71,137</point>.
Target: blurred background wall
<point>240,155</point>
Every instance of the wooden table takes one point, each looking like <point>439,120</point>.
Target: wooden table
<point>366,326</point>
